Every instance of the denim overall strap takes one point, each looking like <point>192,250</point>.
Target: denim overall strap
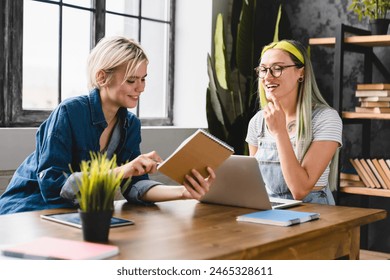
<point>269,164</point>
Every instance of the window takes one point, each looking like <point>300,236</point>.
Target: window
<point>46,45</point>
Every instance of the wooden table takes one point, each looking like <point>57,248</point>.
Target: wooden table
<point>192,230</point>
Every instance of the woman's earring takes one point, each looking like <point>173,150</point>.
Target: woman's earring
<point>300,80</point>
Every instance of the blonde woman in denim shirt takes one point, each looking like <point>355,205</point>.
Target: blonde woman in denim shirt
<point>98,122</point>
<point>296,135</point>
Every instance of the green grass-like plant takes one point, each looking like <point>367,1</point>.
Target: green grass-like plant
<point>98,184</point>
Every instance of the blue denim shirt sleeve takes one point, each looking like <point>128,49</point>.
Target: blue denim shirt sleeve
<point>138,189</point>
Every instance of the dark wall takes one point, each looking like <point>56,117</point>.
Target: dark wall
<point>320,18</point>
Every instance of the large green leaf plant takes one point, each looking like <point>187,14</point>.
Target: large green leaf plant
<point>232,91</point>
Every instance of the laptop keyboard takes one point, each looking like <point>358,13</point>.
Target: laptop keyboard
<point>273,203</point>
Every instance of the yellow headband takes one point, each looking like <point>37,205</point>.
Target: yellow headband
<point>286,46</point>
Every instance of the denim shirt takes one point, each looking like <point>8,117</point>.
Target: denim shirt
<point>66,138</point>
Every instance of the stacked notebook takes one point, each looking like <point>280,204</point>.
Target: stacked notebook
<point>279,217</point>
<point>373,98</point>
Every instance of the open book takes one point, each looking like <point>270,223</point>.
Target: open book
<point>199,151</point>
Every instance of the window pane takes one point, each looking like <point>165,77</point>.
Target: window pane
<point>75,50</point>
<point>80,3</point>
<point>128,7</point>
<point>123,26</point>
<point>40,55</point>
<point>155,42</point>
<point>156,9</point>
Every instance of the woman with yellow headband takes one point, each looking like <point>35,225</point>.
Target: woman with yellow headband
<point>296,135</point>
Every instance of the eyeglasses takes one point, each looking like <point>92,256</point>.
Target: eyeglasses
<point>275,70</point>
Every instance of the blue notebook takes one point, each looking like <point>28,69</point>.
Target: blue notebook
<point>279,217</point>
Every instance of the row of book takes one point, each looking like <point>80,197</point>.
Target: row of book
<point>371,173</point>
<point>373,98</point>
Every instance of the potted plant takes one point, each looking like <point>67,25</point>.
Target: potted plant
<point>97,187</point>
<point>376,11</point>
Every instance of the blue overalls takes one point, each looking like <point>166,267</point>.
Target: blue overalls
<point>269,164</point>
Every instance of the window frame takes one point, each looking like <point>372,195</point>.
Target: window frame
<point>11,63</point>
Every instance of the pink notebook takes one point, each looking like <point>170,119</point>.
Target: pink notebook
<point>61,249</point>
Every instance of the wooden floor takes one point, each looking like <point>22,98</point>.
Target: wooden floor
<point>372,255</point>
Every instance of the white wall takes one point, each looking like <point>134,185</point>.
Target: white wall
<point>193,41</point>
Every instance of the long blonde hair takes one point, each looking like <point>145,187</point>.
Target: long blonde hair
<point>309,97</point>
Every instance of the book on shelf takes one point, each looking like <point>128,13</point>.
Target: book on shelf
<point>349,176</point>
<point>374,99</point>
<point>50,248</point>
<point>376,183</point>
<point>362,173</point>
<point>377,175</point>
<point>371,104</point>
<point>385,168</point>
<point>367,93</point>
<point>278,217</point>
<point>375,110</point>
<point>199,151</point>
<point>382,173</point>
<point>378,86</point>
<point>351,183</point>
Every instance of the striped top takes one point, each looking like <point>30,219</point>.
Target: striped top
<point>326,125</point>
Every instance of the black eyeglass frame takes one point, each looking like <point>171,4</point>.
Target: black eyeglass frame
<point>282,67</point>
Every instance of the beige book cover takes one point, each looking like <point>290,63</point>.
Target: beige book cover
<point>372,104</point>
<point>374,99</point>
<point>385,167</point>
<point>362,173</point>
<point>349,176</point>
<point>379,86</point>
<point>375,110</point>
<point>376,173</point>
<point>351,183</point>
<point>376,183</point>
<point>199,151</point>
<point>366,93</point>
<point>382,173</point>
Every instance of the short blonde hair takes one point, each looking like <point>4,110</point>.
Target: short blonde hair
<point>110,53</point>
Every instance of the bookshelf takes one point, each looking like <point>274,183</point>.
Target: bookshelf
<point>350,39</point>
<point>367,40</point>
<point>361,41</point>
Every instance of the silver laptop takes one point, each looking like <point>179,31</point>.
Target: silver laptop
<point>239,183</point>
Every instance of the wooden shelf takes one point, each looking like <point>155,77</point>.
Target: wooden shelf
<point>365,191</point>
<point>356,115</point>
<point>370,41</point>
